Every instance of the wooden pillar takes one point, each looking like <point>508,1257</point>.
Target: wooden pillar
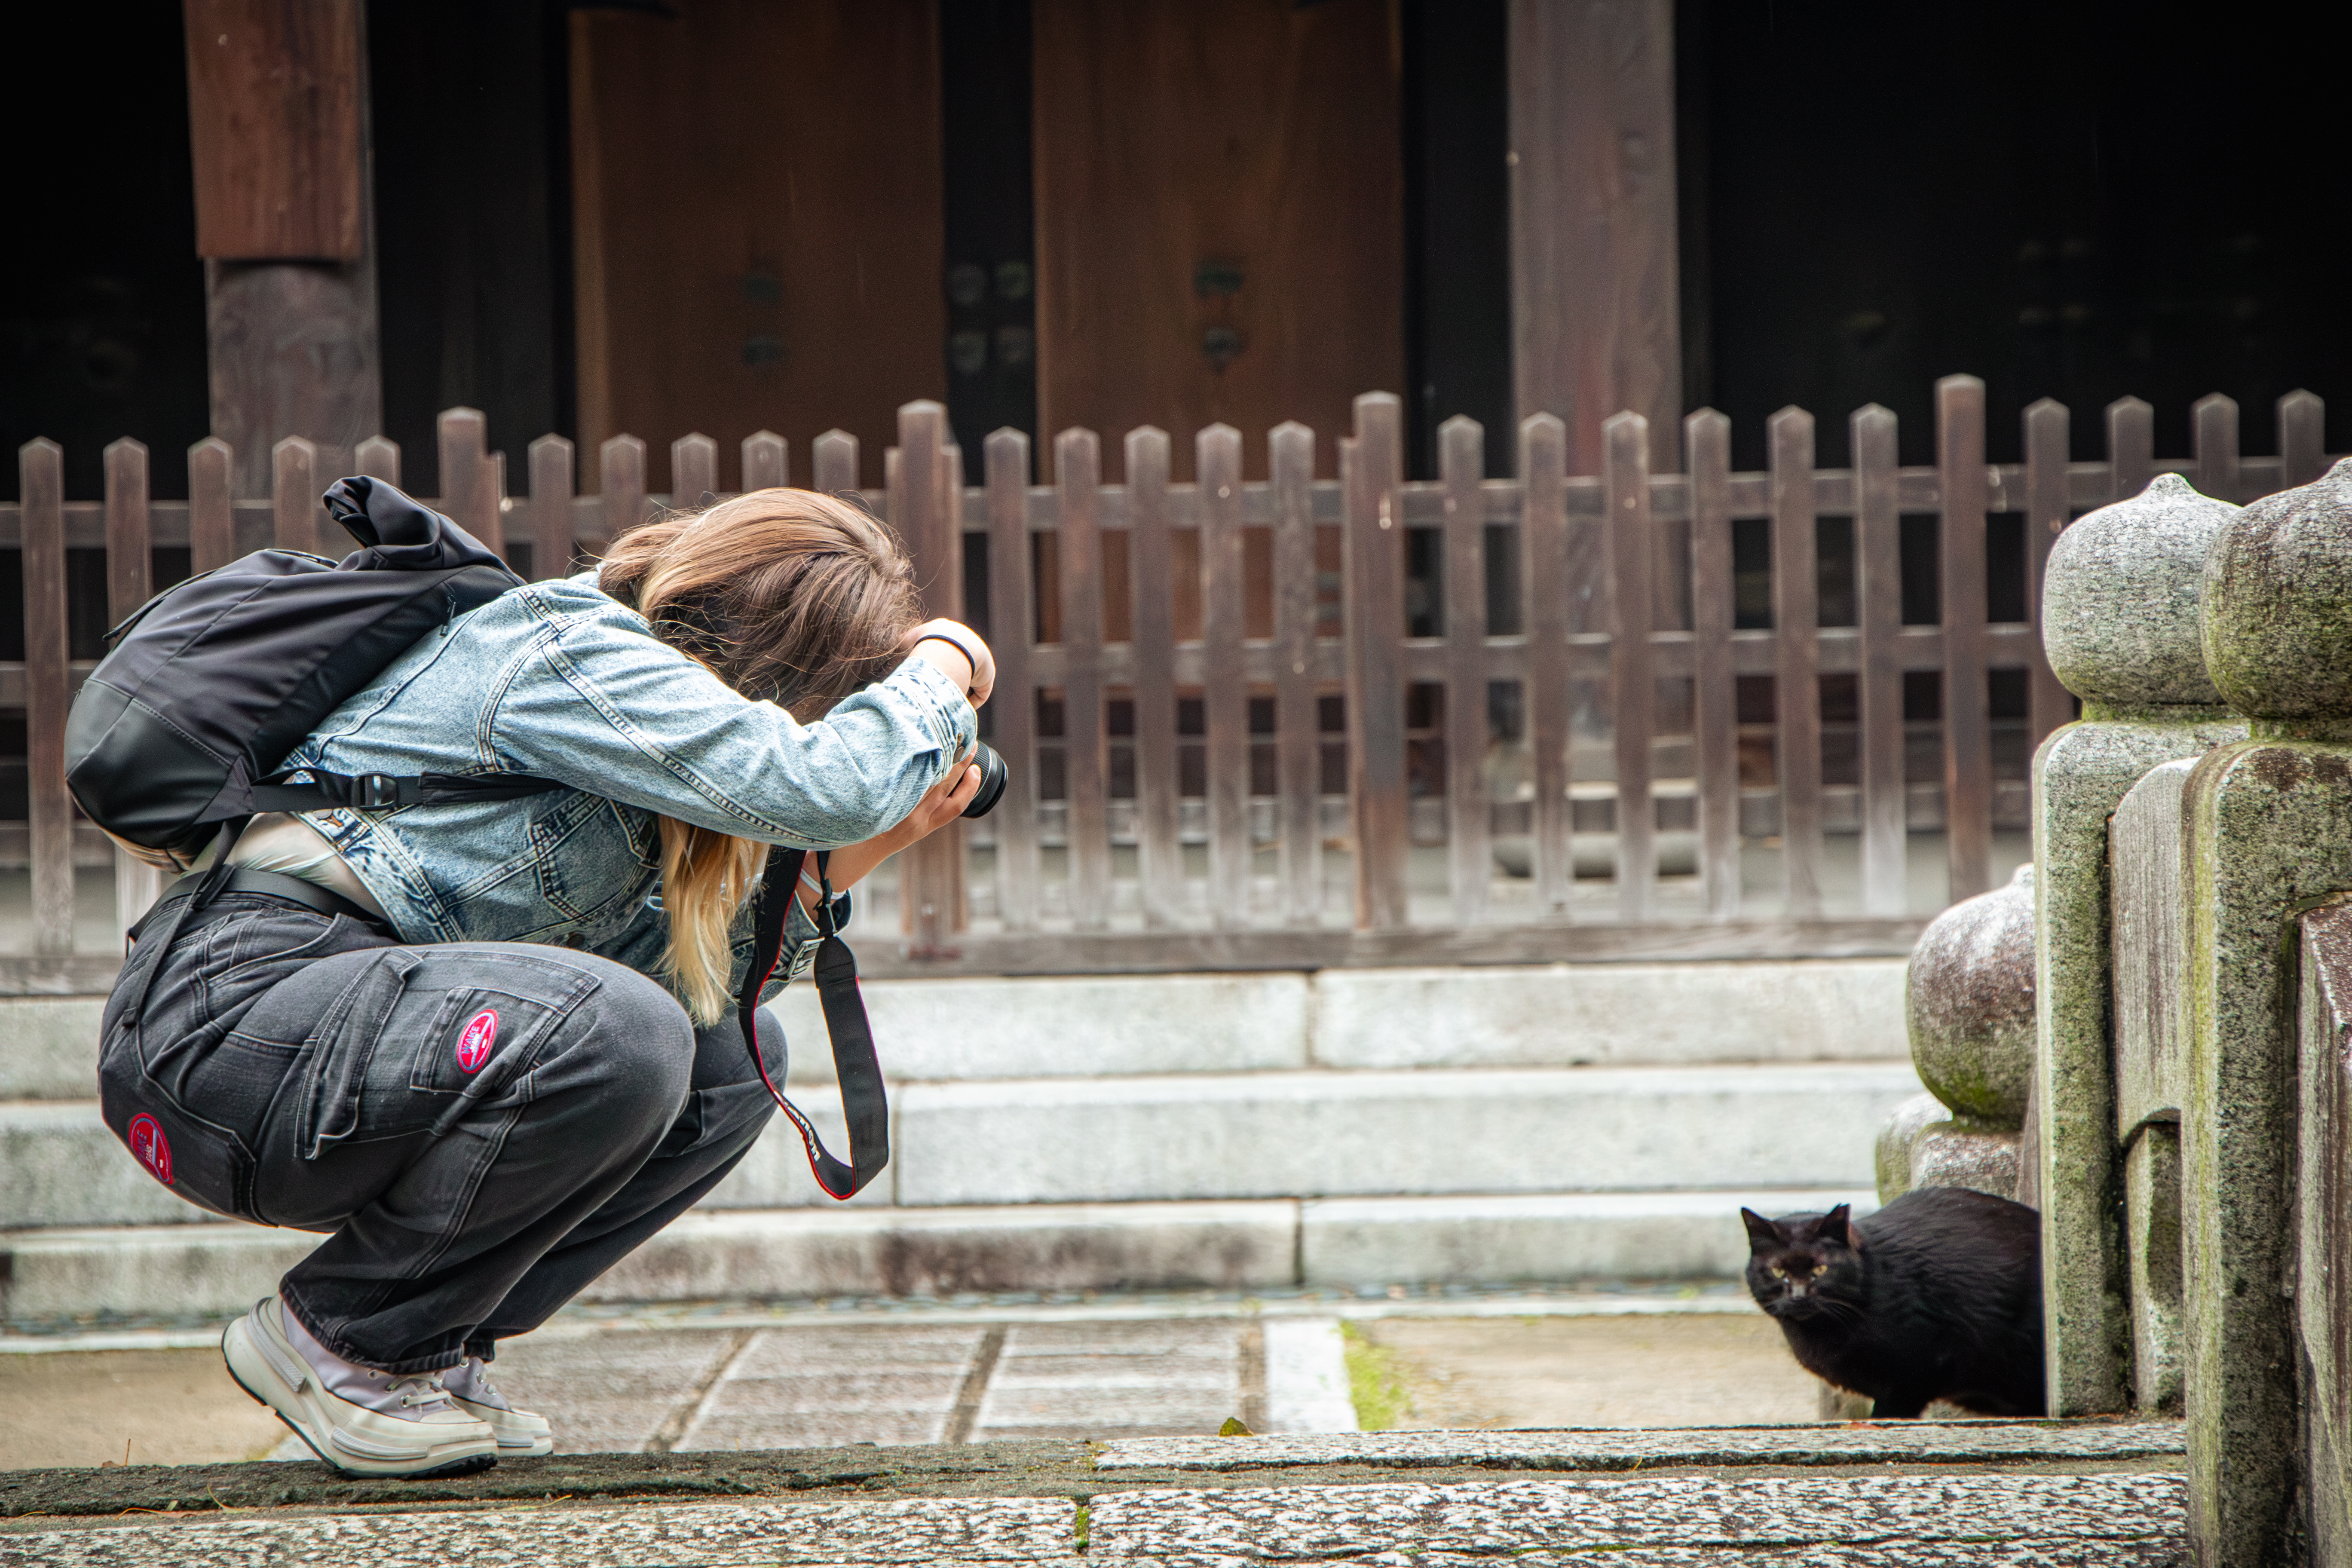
<point>1596,327</point>
<point>279,122</point>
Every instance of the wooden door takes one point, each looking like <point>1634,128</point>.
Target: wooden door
<point>758,222</point>
<point>1220,229</point>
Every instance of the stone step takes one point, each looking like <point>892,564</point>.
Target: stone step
<point>1604,1015</point>
<point>51,1275</point>
<point>1376,1133</point>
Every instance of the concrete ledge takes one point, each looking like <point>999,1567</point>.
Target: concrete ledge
<point>1611,1015</point>
<point>59,1165</point>
<point>1123,1246</point>
<point>165,1270</point>
<point>1560,1015</point>
<point>1386,1133</point>
<point>49,1048</point>
<point>1056,1028</point>
<point>1569,1236</point>
<point>49,1276</point>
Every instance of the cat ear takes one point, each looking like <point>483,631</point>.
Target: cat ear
<point>1833,1227</point>
<point>1762,1232</point>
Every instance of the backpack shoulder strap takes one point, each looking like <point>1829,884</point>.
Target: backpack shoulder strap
<point>864,1101</point>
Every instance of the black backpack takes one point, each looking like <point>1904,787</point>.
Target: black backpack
<point>176,737</point>
<point>178,733</point>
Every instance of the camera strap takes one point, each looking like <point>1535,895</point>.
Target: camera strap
<point>863,1103</point>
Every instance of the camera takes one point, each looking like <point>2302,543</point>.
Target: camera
<point>991,780</point>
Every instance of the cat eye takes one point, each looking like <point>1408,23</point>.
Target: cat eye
<point>1778,1272</point>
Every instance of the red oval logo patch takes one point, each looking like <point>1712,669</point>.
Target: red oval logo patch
<point>150,1147</point>
<point>474,1045</point>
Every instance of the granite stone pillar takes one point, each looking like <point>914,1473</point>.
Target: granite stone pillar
<point>2120,623</point>
<point>1969,998</point>
<point>2268,824</point>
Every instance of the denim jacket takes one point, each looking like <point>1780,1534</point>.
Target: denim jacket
<point>559,681</point>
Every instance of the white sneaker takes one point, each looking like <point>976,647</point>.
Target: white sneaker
<point>360,1420</point>
<point>523,1434</point>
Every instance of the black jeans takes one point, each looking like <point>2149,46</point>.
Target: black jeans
<point>484,1127</point>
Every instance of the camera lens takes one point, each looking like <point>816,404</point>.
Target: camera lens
<point>991,780</point>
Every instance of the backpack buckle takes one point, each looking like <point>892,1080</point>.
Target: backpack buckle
<point>373,792</point>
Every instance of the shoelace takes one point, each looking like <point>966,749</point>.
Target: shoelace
<point>421,1388</point>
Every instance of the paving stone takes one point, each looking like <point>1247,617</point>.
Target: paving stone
<point>965,1530</point>
<point>1967,1442</point>
<point>796,1388</point>
<point>1306,1376</point>
<point>611,1393</point>
<point>1322,1525</point>
<point>1113,1379</point>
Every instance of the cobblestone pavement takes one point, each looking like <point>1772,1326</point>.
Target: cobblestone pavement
<point>2084,1519</point>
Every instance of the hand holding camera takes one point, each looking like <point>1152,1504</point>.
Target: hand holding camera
<point>956,648</point>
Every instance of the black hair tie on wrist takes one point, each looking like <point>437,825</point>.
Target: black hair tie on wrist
<point>969,657</point>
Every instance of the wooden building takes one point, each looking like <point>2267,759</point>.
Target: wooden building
<point>263,217</point>
<point>726,214</point>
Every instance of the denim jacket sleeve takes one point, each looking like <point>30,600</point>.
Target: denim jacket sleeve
<point>610,710</point>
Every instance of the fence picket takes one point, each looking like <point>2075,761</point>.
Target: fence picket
<point>1217,461</point>
<point>834,457</point>
<point>1967,742</point>
<point>1543,545</point>
<point>1715,714</point>
<point>1797,678</point>
<point>2213,437</point>
<point>129,553</point>
<point>212,515</point>
<point>931,884</point>
<point>552,546</point>
<point>1013,710</point>
<point>1878,557</point>
<point>1596,556</point>
<point>468,485</point>
<point>1634,687</point>
<point>2131,447</point>
<point>1077,472</point>
<point>2303,430</point>
<point>2050,704</point>
<point>1462,456</point>
<point>378,458</point>
<point>1151,575</point>
<point>767,461</point>
<point>693,470</point>
<point>1299,745</point>
<point>294,495</point>
<point>1371,470</point>
<point>40,470</point>
<point>621,463</point>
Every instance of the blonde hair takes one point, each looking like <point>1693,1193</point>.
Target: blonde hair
<point>788,596</point>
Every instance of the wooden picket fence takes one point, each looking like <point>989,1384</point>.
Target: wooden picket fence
<point>1612,597</point>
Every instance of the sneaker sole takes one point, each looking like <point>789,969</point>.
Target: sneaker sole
<point>464,1465</point>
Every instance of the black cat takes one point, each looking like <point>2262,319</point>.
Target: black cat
<point>1937,1296</point>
